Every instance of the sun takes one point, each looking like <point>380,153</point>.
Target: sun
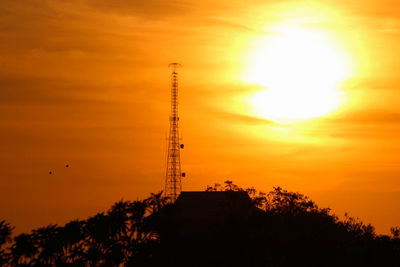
<point>301,70</point>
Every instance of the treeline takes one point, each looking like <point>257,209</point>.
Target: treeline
<point>280,228</point>
<point>123,235</point>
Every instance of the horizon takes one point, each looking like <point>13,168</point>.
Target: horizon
<point>298,95</point>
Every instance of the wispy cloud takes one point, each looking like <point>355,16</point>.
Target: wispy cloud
<point>150,9</point>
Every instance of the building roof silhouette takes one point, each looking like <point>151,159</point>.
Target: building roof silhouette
<point>205,206</point>
<point>200,214</point>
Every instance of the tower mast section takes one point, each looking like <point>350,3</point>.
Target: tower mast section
<point>173,184</point>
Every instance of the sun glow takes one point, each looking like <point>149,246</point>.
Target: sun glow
<point>301,70</point>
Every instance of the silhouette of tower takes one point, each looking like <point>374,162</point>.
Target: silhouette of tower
<point>173,184</point>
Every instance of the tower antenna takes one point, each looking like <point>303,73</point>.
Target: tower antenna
<point>173,183</point>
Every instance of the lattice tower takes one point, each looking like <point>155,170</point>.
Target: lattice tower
<point>173,179</point>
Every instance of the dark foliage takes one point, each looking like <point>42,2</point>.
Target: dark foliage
<point>280,228</point>
<point>5,237</point>
<point>124,235</point>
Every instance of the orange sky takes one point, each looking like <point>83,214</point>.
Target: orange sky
<point>86,83</point>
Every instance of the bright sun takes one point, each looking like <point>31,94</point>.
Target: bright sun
<point>301,70</point>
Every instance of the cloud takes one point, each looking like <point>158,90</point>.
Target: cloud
<point>374,81</point>
<point>368,127</point>
<point>240,118</point>
<point>370,8</point>
<point>368,117</point>
<point>148,9</point>
<point>17,91</point>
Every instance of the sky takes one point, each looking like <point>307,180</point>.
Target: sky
<point>86,83</point>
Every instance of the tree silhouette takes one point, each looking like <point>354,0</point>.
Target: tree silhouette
<point>5,237</point>
<point>230,226</point>
<point>395,231</point>
<point>23,250</point>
